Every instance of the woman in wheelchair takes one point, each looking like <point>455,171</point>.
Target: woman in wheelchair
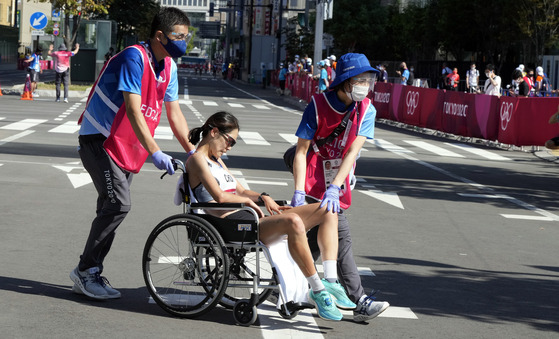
<point>211,181</point>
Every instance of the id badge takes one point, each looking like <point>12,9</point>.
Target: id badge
<point>331,168</point>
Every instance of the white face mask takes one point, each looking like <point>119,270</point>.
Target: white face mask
<point>358,93</point>
<point>487,74</point>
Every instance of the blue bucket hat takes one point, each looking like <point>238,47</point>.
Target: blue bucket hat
<point>350,65</point>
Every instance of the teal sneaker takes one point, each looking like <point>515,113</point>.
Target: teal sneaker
<point>340,297</point>
<point>325,306</point>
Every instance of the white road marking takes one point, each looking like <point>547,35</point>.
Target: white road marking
<point>163,133</point>
<point>290,138</point>
<point>69,127</point>
<point>390,198</point>
<point>15,137</point>
<point>387,145</point>
<point>478,151</point>
<point>433,149</point>
<point>23,124</point>
<point>236,105</point>
<point>253,138</point>
<point>527,217</point>
<point>210,103</point>
<point>272,183</point>
<point>261,107</point>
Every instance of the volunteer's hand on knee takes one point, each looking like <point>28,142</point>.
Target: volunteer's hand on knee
<point>298,198</point>
<point>331,199</point>
<point>163,162</point>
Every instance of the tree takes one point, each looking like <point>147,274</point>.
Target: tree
<point>75,10</point>
<point>139,24</point>
<point>540,22</point>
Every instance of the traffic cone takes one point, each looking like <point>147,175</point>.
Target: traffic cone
<point>27,95</point>
<point>1,91</point>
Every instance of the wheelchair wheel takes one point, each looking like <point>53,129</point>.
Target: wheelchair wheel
<point>242,270</point>
<point>244,313</point>
<point>185,266</point>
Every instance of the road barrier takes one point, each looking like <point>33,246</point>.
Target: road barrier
<point>509,120</point>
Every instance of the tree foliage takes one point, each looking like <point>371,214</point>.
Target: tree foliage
<point>74,11</point>
<point>138,24</point>
<point>493,31</point>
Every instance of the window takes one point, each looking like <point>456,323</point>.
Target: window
<point>205,3</point>
<point>195,3</point>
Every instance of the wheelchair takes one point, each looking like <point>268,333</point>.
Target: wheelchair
<point>192,262</point>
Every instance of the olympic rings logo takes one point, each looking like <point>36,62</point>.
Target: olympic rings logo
<point>506,114</point>
<point>412,100</point>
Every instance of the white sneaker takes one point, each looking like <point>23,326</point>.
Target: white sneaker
<point>89,282</point>
<point>66,100</point>
<point>368,309</point>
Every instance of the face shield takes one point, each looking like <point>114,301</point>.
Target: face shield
<point>365,79</point>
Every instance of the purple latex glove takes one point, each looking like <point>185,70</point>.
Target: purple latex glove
<point>331,199</point>
<point>298,198</point>
<point>163,162</point>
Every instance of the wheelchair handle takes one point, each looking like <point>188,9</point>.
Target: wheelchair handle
<point>177,165</point>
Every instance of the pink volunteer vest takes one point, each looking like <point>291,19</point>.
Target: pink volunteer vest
<point>122,144</point>
<point>328,119</point>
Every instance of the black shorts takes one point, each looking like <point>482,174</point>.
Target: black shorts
<point>241,215</point>
<point>34,75</point>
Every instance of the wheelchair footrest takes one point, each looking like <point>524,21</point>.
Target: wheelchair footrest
<point>294,307</point>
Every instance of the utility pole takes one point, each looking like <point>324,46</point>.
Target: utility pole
<point>318,32</point>
<point>278,33</point>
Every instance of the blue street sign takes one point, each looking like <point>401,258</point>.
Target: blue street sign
<point>56,14</point>
<point>38,20</point>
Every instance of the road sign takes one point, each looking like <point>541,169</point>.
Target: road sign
<point>55,32</point>
<point>37,33</point>
<point>55,15</point>
<point>38,20</point>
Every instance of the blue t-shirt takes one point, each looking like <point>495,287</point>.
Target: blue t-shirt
<point>123,74</point>
<point>282,74</point>
<point>35,64</point>
<point>308,126</point>
<point>406,76</point>
<point>323,78</point>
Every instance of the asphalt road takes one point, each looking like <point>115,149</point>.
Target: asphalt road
<point>461,239</point>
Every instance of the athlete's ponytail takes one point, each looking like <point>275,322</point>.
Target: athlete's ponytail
<point>224,121</point>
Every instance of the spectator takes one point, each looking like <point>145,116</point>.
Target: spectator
<point>452,80</point>
<point>323,82</point>
<point>493,83</point>
<point>523,87</point>
<point>34,69</point>
<point>472,79</point>
<point>411,78</point>
<point>109,54</point>
<point>383,77</point>
<point>282,78</point>
<point>328,69</point>
<point>445,72</point>
<point>309,65</point>
<point>62,67</point>
<point>530,80</point>
<point>403,73</point>
<point>542,82</point>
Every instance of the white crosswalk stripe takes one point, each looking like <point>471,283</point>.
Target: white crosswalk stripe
<point>163,133</point>
<point>289,137</point>
<point>387,145</point>
<point>434,149</point>
<point>261,107</point>
<point>253,138</point>
<point>69,127</point>
<point>479,151</point>
<point>23,124</point>
<point>210,103</point>
<point>232,104</point>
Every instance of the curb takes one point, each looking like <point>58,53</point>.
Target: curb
<point>18,90</point>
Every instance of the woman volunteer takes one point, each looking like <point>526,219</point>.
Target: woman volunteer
<point>332,131</point>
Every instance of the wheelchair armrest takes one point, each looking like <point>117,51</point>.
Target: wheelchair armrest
<point>217,205</point>
<point>279,202</point>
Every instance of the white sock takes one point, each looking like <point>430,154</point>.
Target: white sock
<point>330,270</point>
<point>315,282</point>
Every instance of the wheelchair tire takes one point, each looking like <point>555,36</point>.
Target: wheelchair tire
<point>244,313</point>
<point>185,266</point>
<point>246,270</point>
